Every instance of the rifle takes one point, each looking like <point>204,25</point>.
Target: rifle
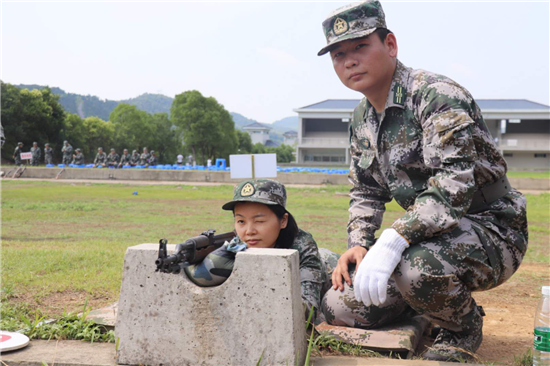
<point>192,251</point>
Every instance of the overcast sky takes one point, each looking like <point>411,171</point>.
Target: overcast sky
<point>260,59</point>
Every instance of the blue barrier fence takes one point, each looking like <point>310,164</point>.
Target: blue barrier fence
<point>220,166</point>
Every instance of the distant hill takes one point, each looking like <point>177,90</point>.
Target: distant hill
<point>240,120</point>
<point>286,124</point>
<point>151,103</point>
<point>89,105</point>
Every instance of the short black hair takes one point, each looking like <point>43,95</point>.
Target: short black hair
<point>382,33</point>
<point>288,234</point>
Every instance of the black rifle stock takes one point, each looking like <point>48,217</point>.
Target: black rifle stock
<point>192,251</point>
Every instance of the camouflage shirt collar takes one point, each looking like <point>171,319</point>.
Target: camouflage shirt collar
<point>397,95</point>
<point>398,89</point>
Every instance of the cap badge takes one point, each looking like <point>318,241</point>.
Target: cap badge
<point>247,190</point>
<point>340,26</point>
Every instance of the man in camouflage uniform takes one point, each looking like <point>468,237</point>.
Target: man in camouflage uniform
<point>78,158</point>
<point>124,159</point>
<point>100,158</point>
<point>17,153</point>
<point>144,158</point>
<point>419,138</point>
<point>67,152</point>
<point>36,154</point>
<point>112,159</point>
<point>153,158</point>
<point>134,160</point>
<point>48,154</point>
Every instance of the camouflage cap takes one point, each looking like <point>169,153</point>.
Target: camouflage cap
<point>65,142</point>
<point>19,143</point>
<point>112,149</point>
<point>126,150</point>
<point>35,143</point>
<point>264,191</point>
<point>46,144</point>
<point>134,151</point>
<point>78,149</point>
<point>352,21</point>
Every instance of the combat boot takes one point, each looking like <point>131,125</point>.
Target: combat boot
<point>452,346</point>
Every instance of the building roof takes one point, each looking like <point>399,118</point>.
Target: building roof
<point>485,104</point>
<point>257,126</point>
<point>271,143</point>
<point>290,133</point>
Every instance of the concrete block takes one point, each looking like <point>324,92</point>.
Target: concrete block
<point>166,319</point>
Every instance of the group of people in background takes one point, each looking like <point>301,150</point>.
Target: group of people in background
<point>77,158</point>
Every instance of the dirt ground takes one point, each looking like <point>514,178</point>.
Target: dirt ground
<point>510,308</point>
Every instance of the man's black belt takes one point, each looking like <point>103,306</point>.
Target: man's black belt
<point>485,196</point>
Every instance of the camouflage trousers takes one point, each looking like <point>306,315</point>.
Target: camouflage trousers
<point>66,159</point>
<point>435,278</point>
<point>48,159</point>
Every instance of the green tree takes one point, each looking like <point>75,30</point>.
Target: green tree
<point>259,148</point>
<point>30,115</point>
<point>167,142</point>
<point>207,128</point>
<point>99,133</point>
<point>133,128</point>
<point>284,153</point>
<point>244,142</point>
<point>75,132</point>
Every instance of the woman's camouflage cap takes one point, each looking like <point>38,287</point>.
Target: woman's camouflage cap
<point>266,191</point>
<point>352,21</point>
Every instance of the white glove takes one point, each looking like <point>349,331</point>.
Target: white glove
<point>371,279</point>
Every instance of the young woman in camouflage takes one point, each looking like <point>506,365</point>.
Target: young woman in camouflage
<point>262,221</point>
<point>419,138</point>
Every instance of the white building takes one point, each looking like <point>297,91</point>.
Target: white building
<point>520,127</point>
<point>290,138</point>
<point>258,132</point>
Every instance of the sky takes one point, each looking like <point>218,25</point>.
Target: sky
<point>260,59</point>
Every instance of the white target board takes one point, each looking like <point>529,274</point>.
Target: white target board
<point>10,341</point>
<point>253,166</point>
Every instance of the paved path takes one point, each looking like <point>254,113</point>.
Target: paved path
<point>77,353</point>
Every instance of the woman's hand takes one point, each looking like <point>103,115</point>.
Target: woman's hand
<point>352,255</point>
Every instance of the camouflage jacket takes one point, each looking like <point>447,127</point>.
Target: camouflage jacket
<point>153,160</point>
<point>430,152</point>
<point>100,158</point>
<point>17,152</point>
<point>36,153</point>
<point>134,159</point>
<point>125,159</point>
<point>48,151</point>
<point>144,158</point>
<point>113,158</point>
<point>314,276</point>
<point>67,150</point>
<point>78,159</point>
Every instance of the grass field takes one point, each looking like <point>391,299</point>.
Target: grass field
<point>63,244</point>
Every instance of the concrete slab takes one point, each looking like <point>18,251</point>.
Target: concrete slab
<point>166,319</point>
<point>401,338</point>
<point>62,353</point>
<point>77,353</point>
